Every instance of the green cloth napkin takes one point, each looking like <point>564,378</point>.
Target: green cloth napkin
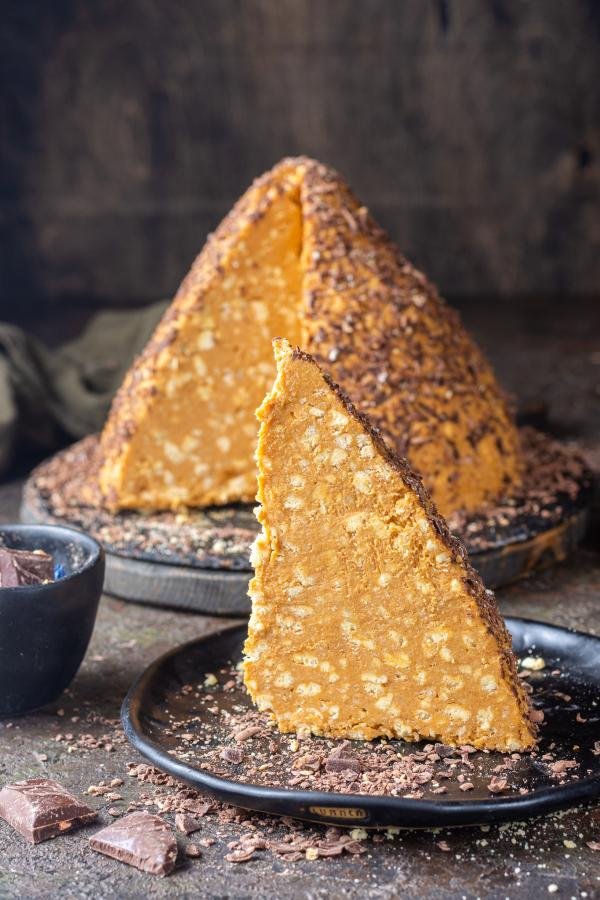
<point>48,397</point>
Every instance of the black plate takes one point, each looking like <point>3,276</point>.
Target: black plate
<point>156,708</point>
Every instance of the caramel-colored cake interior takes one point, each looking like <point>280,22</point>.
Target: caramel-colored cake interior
<point>182,430</point>
<point>367,620</point>
<point>299,257</point>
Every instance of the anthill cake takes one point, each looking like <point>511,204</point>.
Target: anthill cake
<point>367,619</point>
<point>300,257</point>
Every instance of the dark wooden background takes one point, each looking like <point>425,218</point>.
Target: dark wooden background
<point>470,127</point>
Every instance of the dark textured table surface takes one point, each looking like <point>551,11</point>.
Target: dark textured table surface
<point>554,368</point>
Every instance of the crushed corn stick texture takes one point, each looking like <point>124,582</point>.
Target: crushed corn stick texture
<point>366,620</point>
<point>299,257</point>
<point>182,429</point>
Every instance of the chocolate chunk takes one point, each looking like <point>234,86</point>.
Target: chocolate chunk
<point>22,567</point>
<point>497,785</point>
<point>231,755</point>
<point>141,840</point>
<point>40,809</point>
<point>241,856</point>
<point>246,733</point>
<point>342,763</point>
<point>340,760</point>
<point>561,766</point>
<point>443,751</point>
<point>199,807</point>
<point>186,824</point>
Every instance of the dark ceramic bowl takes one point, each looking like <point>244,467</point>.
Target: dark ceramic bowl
<point>45,628</point>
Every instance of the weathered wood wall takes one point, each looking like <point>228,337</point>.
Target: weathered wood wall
<point>471,128</point>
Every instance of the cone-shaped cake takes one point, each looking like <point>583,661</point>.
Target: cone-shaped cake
<point>299,257</point>
<point>367,619</point>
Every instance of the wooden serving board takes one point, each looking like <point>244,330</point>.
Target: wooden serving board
<point>198,559</point>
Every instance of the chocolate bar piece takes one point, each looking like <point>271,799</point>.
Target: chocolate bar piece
<point>141,840</point>
<point>40,809</point>
<point>21,567</point>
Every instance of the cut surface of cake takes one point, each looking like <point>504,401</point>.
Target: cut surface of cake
<point>300,257</point>
<point>182,431</point>
<point>367,619</point>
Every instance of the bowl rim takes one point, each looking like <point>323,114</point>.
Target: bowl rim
<point>96,554</point>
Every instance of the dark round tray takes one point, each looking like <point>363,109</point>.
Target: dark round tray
<point>164,722</point>
<point>199,560</point>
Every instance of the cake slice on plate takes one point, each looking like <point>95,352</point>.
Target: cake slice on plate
<point>300,257</point>
<point>367,619</point>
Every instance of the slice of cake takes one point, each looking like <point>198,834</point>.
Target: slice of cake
<point>367,620</point>
<point>300,257</point>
